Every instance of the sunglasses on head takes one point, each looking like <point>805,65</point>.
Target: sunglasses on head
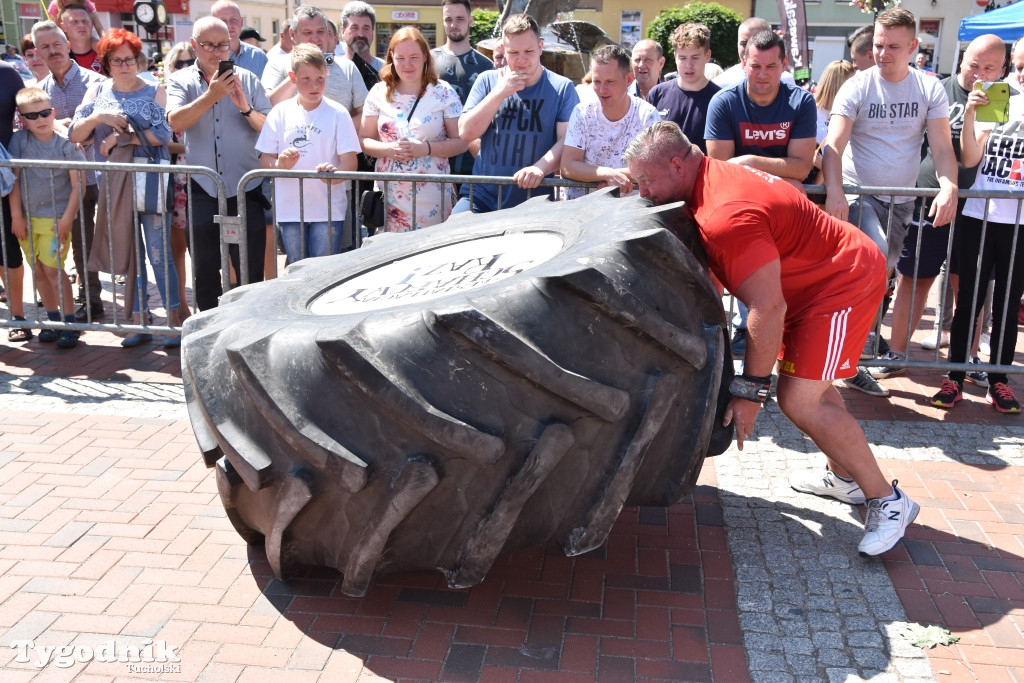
<point>182,63</point>
<point>33,115</point>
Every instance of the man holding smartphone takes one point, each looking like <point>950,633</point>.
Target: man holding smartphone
<point>221,108</point>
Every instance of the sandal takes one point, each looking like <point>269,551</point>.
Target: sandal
<point>19,334</point>
<point>48,336</point>
<point>68,339</point>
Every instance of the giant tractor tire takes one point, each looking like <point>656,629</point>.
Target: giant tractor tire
<point>439,397</point>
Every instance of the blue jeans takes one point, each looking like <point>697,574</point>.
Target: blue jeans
<point>463,205</point>
<point>154,236</point>
<point>319,238</point>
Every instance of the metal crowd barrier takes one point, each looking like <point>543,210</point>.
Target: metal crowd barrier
<point>1009,308</point>
<point>353,215</point>
<point>233,232</point>
<point>122,322</point>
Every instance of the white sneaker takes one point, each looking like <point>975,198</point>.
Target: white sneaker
<point>811,481</point>
<point>935,339</point>
<point>985,344</point>
<point>886,523</point>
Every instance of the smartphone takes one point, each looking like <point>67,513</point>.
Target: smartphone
<point>998,108</point>
<point>225,65</point>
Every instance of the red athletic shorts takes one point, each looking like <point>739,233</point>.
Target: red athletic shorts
<point>826,343</point>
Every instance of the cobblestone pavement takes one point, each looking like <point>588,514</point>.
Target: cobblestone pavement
<point>808,608</point>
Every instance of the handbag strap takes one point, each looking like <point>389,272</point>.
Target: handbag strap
<point>147,148</point>
<point>414,105</point>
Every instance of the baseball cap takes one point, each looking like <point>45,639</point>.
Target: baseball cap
<point>250,33</point>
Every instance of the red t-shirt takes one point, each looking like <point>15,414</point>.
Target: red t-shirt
<point>748,219</point>
<point>89,60</point>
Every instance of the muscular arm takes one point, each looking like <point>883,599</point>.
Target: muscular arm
<point>762,293</point>
<point>838,137</point>
<point>941,141</point>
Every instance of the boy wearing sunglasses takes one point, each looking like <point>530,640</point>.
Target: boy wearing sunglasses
<point>49,214</point>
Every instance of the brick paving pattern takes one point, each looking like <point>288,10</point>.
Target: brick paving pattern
<point>111,529</point>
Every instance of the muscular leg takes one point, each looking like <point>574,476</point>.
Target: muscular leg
<point>817,409</point>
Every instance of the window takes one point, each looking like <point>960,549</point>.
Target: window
<point>384,32</point>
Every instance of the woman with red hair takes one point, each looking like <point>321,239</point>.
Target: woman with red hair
<point>125,118</point>
<point>411,125</point>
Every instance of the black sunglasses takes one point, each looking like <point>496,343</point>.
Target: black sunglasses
<point>33,115</point>
<point>182,63</point>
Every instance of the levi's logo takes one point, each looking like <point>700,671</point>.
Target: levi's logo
<point>764,134</point>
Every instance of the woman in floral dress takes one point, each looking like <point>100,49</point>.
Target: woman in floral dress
<point>423,142</point>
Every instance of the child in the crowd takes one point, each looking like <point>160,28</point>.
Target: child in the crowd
<point>309,132</point>
<point>46,203</point>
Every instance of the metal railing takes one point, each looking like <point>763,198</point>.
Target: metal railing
<point>118,325</point>
<point>233,232</point>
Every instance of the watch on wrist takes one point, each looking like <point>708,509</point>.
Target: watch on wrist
<point>246,113</point>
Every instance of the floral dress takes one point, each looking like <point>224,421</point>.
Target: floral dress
<point>434,201</point>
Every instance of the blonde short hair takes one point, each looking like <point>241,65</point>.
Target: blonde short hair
<point>31,96</point>
<point>307,54</point>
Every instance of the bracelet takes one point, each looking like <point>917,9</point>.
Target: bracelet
<point>750,388</point>
<point>246,113</point>
<point>429,153</point>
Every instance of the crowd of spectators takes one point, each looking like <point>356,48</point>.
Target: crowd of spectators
<point>320,100</point>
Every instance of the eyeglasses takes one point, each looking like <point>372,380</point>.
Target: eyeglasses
<point>33,115</point>
<point>128,61</point>
<point>182,63</point>
<point>219,47</point>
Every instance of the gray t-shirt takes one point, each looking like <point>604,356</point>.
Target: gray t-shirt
<point>344,84</point>
<point>889,123</point>
<point>36,198</point>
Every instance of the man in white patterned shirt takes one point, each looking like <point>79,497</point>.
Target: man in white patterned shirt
<point>600,131</point>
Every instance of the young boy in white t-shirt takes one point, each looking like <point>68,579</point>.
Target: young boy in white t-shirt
<point>309,132</point>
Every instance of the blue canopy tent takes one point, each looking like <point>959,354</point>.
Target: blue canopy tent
<point>1006,22</point>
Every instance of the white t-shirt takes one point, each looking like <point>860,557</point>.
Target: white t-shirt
<point>604,142</point>
<point>889,123</point>
<point>1001,168</point>
<point>344,84</point>
<point>321,135</point>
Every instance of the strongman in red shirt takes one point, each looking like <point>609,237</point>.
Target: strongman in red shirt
<point>813,285</point>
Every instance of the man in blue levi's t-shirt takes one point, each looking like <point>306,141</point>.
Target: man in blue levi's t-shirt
<point>763,122</point>
<point>520,113</point>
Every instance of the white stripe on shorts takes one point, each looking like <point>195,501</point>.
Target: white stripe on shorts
<point>836,340</point>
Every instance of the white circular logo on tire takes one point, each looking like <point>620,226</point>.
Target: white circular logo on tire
<point>432,274</point>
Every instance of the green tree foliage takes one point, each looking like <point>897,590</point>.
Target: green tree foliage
<point>723,22</point>
<point>483,27</point>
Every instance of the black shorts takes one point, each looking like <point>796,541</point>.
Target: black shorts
<point>934,246</point>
